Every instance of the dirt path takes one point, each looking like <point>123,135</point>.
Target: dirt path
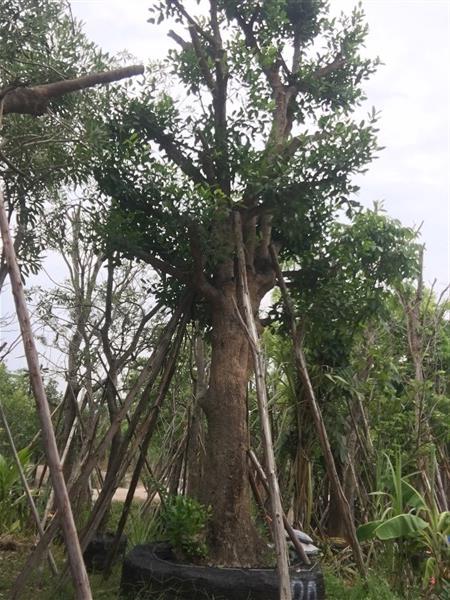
<point>140,494</point>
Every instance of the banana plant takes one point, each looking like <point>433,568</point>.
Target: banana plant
<point>410,517</point>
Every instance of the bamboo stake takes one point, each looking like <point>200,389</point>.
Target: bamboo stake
<point>290,531</point>
<point>28,493</point>
<point>146,378</point>
<point>155,409</point>
<point>77,567</point>
<point>261,393</point>
<point>318,419</point>
<point>51,497</point>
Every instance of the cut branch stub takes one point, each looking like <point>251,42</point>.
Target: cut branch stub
<point>34,100</point>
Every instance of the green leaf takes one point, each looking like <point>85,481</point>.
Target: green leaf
<point>400,526</point>
<point>367,531</point>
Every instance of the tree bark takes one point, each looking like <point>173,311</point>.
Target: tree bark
<point>34,100</point>
<point>232,536</point>
<point>266,430</point>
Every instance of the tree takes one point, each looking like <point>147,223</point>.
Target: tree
<point>264,129</point>
<point>342,292</point>
<point>45,56</point>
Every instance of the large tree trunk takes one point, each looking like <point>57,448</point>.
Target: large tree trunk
<point>232,536</point>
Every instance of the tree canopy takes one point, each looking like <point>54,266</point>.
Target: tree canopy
<point>254,115</point>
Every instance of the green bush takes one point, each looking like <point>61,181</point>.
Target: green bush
<point>184,521</point>
<point>19,407</point>
<point>13,507</point>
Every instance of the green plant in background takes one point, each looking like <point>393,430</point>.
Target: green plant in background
<point>13,510</point>
<point>184,522</point>
<point>143,527</point>
<point>416,524</point>
<point>20,410</point>
<point>375,588</point>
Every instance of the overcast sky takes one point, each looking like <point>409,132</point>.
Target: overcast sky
<point>412,91</point>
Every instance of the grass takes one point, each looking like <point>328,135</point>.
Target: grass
<point>344,585</point>
<point>42,585</point>
<point>375,588</point>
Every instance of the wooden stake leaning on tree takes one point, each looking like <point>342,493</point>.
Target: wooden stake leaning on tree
<point>147,375</point>
<point>77,567</point>
<point>49,505</point>
<point>163,388</point>
<point>129,446</point>
<point>318,419</point>
<point>261,393</point>
<point>28,493</point>
<point>289,529</point>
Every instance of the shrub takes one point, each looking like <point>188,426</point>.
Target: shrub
<point>184,522</point>
<point>13,508</point>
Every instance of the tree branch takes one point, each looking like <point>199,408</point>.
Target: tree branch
<point>202,60</point>
<point>34,100</point>
<point>179,40</point>
<point>220,103</point>
<point>182,11</point>
<point>158,264</point>
<point>200,281</point>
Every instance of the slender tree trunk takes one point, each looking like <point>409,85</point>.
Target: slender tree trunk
<point>195,449</point>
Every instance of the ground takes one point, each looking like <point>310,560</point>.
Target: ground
<point>14,550</point>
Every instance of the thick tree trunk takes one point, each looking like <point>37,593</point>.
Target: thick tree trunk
<point>232,536</point>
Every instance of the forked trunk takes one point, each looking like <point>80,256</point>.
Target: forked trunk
<point>232,536</point>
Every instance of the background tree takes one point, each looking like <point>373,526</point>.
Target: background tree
<point>42,45</point>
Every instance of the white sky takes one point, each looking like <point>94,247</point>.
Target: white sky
<point>412,91</point>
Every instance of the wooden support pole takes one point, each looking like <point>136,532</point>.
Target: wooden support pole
<point>28,493</point>
<point>318,419</point>
<point>261,393</point>
<point>77,480</point>
<point>51,497</point>
<point>163,388</point>
<point>77,567</point>
<point>289,529</point>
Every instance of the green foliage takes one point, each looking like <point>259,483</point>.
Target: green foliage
<point>416,521</point>
<point>41,43</point>
<point>142,527</point>
<point>375,588</point>
<point>347,280</point>
<point>19,407</point>
<point>158,201</point>
<point>13,507</point>
<point>184,522</point>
